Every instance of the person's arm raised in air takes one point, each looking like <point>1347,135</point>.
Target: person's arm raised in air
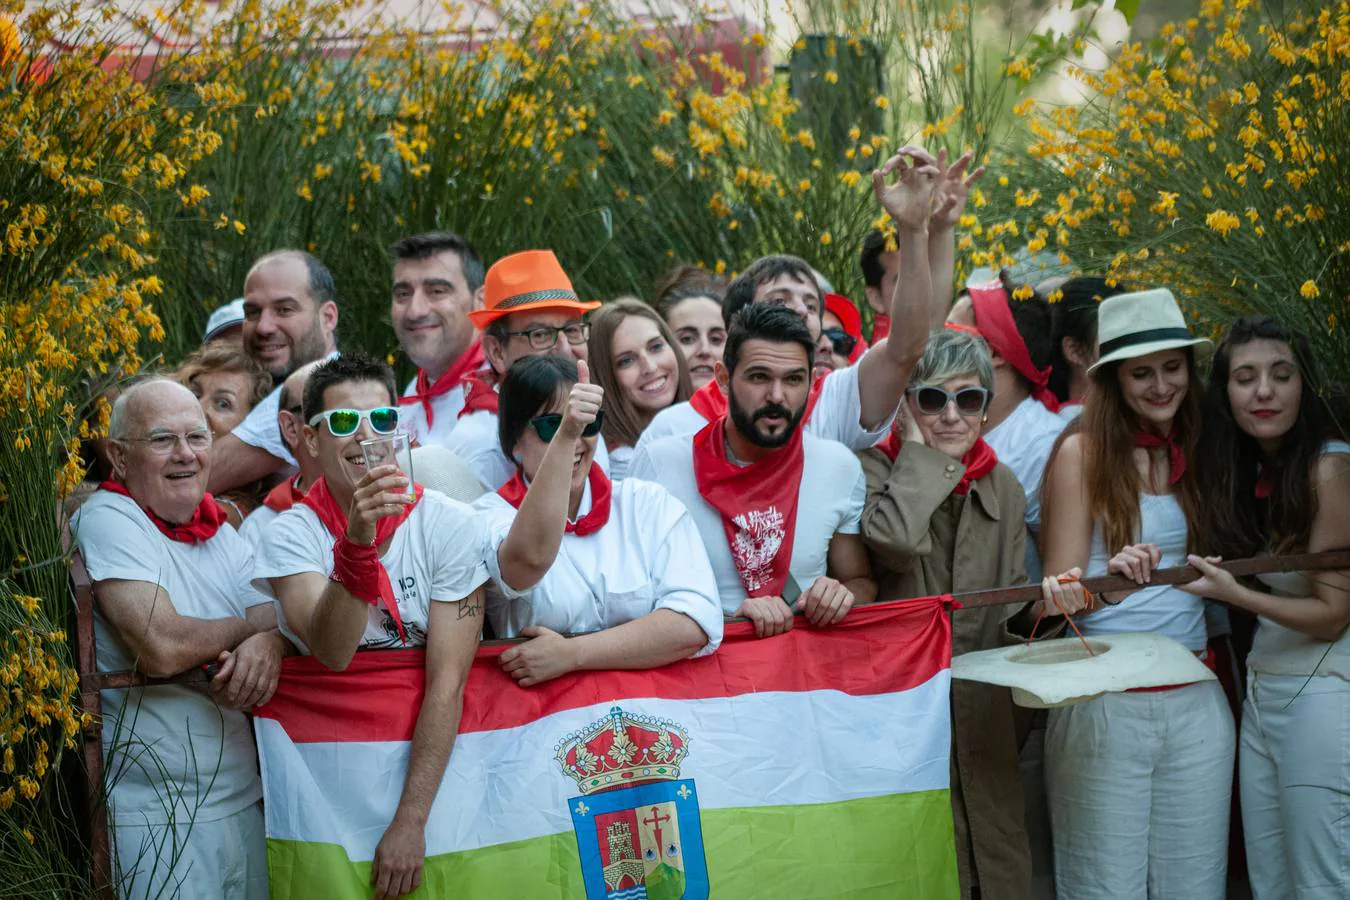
<point>528,550</point>
<point>327,617</point>
<point>949,202</point>
<point>1325,614</point>
<point>453,630</point>
<point>883,373</point>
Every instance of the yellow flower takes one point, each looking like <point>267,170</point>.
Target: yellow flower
<point>1309,290</point>
<point>825,239</point>
<point>831,76</point>
<point>1222,221</point>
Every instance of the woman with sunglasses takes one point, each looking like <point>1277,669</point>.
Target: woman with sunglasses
<point>944,515</point>
<point>641,371</point>
<point>619,567</point>
<point>1138,783</point>
<point>841,341</point>
<point>1278,481</point>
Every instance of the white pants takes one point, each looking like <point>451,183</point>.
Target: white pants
<point>1294,775</point>
<point>221,860</point>
<point>1139,787</point>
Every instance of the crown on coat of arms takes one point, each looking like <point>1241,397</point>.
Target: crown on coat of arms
<point>623,749</point>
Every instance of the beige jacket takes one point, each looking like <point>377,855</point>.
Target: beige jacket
<point>924,540</point>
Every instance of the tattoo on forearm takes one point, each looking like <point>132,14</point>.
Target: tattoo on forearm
<point>468,610</point>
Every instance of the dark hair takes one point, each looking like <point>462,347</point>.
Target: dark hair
<point>1074,315</point>
<point>873,246</point>
<point>1033,320</point>
<point>321,286</point>
<point>1233,522</point>
<point>340,370</point>
<point>531,383</point>
<point>433,243</point>
<point>741,292</point>
<point>623,422</point>
<point>686,282</point>
<point>766,322</point>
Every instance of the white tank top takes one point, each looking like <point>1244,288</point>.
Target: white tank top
<point>1160,609</point>
<point>1277,650</point>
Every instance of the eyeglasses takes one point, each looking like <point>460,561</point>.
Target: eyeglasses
<point>544,338</point>
<point>547,425</point>
<point>842,342</point>
<point>342,422</point>
<point>197,441</point>
<point>970,401</point>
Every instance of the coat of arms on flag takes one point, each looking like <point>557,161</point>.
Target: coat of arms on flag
<point>636,821</point>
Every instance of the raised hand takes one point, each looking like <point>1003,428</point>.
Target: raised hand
<point>908,199</point>
<point>952,189</point>
<point>583,403</point>
<point>383,491</point>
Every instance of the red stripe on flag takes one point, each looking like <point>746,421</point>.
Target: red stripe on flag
<point>877,649</point>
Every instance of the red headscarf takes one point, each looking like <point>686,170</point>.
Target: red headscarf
<point>843,309</point>
<point>758,504</point>
<point>513,492</point>
<point>205,522</point>
<point>994,319</point>
<point>425,390</point>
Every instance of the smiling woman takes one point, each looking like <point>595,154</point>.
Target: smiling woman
<point>227,382</point>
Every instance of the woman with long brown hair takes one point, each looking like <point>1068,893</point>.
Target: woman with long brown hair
<point>1277,479</point>
<point>1139,783</point>
<point>633,356</point>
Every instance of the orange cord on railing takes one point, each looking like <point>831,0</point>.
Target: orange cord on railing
<point>1091,602</point>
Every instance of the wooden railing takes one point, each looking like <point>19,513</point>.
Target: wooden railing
<point>93,681</point>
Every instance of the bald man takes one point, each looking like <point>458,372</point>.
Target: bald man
<point>171,593</point>
<point>290,319</point>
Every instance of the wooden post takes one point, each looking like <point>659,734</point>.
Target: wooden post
<point>91,702</point>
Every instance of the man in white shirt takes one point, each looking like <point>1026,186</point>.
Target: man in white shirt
<point>1021,424</point>
<point>292,429</point>
<point>290,318</point>
<point>529,308</point>
<point>438,280</point>
<point>778,510</point>
<point>171,593</point>
<point>397,571</point>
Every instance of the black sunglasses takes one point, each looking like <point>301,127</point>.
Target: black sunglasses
<point>970,401</point>
<point>842,342</point>
<point>547,425</point>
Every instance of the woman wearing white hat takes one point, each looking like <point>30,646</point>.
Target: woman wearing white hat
<point>1277,479</point>
<point>1139,783</point>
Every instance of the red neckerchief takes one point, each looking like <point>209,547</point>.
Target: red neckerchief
<point>205,522</point>
<point>356,567</point>
<point>881,327</point>
<point>1265,484</point>
<point>758,504</point>
<point>710,403</point>
<point>284,496</point>
<point>994,319</point>
<point>513,492</point>
<point>480,393</point>
<point>1176,453</point>
<point>979,460</point>
<point>425,390</point>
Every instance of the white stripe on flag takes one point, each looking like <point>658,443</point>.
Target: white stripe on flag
<point>767,749</point>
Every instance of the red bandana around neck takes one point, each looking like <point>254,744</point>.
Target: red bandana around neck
<point>994,320</point>
<point>1176,453</point>
<point>284,496</point>
<point>1265,483</point>
<point>710,403</point>
<point>356,567</point>
<point>425,390</point>
<point>513,492</point>
<point>205,522</point>
<point>758,504</point>
<point>979,460</point>
<point>480,393</point>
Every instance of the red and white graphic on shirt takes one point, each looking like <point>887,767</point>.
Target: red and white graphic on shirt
<point>759,535</point>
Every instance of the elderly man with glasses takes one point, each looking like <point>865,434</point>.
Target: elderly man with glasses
<point>529,309</point>
<point>370,559</point>
<point>171,593</point>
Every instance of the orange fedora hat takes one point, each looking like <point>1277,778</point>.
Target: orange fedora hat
<point>531,279</point>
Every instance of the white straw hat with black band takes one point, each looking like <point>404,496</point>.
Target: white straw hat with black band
<point>1133,325</point>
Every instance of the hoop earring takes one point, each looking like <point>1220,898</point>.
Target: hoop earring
<point>984,420</point>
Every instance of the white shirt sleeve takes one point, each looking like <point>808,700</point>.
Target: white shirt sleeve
<point>241,552</point>
<point>259,429</point>
<point>115,541</point>
<point>640,466</point>
<point>857,498</point>
<point>293,542</point>
<point>459,541</point>
<point>838,412</point>
<point>682,574</point>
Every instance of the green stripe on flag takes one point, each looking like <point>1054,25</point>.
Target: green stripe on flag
<point>899,845</point>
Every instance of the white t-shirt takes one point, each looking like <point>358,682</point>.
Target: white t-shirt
<point>475,441</point>
<point>209,765</point>
<point>1069,411</point>
<point>260,429</point>
<point>1023,442</point>
<point>620,458</point>
<point>251,529</point>
<point>829,502</point>
<point>445,409</point>
<point>836,417</point>
<point>435,555</point>
<point>648,556</point>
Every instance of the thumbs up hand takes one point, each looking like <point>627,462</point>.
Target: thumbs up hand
<point>583,403</point>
